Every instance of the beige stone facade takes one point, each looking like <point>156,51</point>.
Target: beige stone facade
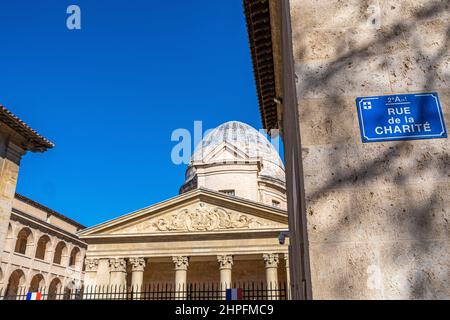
<point>383,208</point>
<point>38,246</point>
<point>372,222</point>
<point>42,251</point>
<point>16,139</point>
<point>201,236</point>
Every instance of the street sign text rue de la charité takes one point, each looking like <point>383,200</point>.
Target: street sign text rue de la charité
<point>401,117</point>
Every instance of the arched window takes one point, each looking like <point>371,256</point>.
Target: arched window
<point>55,289</point>
<point>37,283</point>
<point>15,285</point>
<point>24,238</point>
<point>74,257</point>
<point>60,252</point>
<point>42,247</point>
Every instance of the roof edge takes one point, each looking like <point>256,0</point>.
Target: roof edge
<point>190,194</point>
<point>35,141</point>
<point>259,29</point>
<point>48,210</point>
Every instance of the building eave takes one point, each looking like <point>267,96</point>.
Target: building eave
<point>33,141</point>
<point>259,29</point>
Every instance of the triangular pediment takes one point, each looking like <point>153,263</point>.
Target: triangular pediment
<point>197,214</point>
<point>225,152</point>
<point>199,217</point>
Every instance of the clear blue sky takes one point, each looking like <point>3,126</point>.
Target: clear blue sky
<point>110,95</point>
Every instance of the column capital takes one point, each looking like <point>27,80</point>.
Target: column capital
<point>91,264</point>
<point>137,264</point>
<point>225,261</point>
<point>117,265</point>
<point>181,262</point>
<point>271,260</point>
<point>286,258</point>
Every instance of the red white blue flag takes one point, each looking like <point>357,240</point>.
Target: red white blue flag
<point>34,296</point>
<point>234,294</point>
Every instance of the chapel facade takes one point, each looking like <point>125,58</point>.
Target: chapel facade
<point>223,227</point>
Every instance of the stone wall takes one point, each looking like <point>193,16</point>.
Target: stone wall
<point>378,214</point>
<point>8,180</point>
<point>208,272</point>
<point>240,178</point>
<point>45,216</point>
<point>10,156</point>
<point>159,272</point>
<point>43,240</point>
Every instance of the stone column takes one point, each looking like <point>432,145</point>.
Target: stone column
<point>181,265</point>
<point>288,276</point>
<point>90,275</point>
<point>65,255</point>
<point>30,251</point>
<point>271,263</point>
<point>103,273</point>
<point>9,171</point>
<point>225,266</point>
<point>137,276</point>
<point>118,280</point>
<point>10,241</point>
<point>49,250</point>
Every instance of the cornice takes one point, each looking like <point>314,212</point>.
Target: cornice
<point>36,223</point>
<point>201,194</point>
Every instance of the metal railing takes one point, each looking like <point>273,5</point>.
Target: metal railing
<point>154,291</point>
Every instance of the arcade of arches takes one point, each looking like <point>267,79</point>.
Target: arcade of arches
<point>41,253</point>
<point>223,227</point>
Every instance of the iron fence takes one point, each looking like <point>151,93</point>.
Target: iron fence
<point>154,291</point>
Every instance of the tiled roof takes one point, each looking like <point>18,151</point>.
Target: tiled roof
<point>35,142</point>
<point>257,13</point>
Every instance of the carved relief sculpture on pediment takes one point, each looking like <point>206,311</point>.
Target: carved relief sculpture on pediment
<point>205,218</point>
<point>200,218</point>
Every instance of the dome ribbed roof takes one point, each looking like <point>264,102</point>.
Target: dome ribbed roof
<point>247,141</point>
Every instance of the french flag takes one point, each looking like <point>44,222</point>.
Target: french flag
<point>234,294</point>
<point>34,296</point>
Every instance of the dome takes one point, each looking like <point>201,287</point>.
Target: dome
<point>247,143</point>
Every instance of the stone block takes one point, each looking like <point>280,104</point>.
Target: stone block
<point>315,14</point>
<point>321,44</point>
<point>343,270</point>
<point>415,70</point>
<point>326,121</point>
<point>416,270</point>
<point>353,76</point>
<point>401,11</point>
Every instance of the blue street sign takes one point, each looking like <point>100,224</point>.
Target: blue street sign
<point>401,117</point>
